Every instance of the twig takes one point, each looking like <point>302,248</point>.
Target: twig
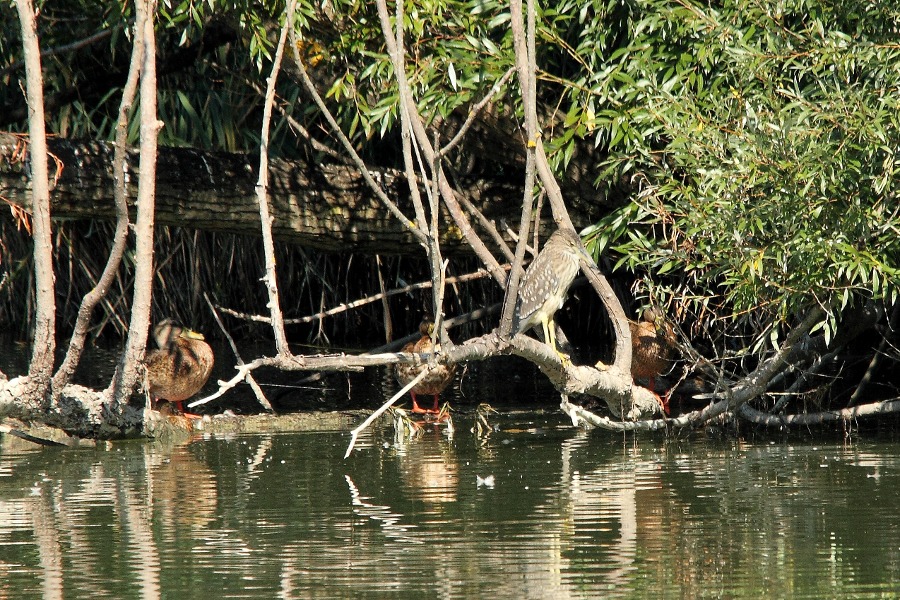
<point>28,437</point>
<point>473,112</point>
<point>385,305</point>
<point>355,433</point>
<point>260,396</point>
<point>242,372</point>
<point>76,45</point>
<point>876,358</point>
<point>480,274</point>
<point>488,226</point>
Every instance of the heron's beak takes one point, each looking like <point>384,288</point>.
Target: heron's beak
<point>584,254</point>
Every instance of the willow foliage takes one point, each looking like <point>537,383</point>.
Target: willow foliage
<point>757,140</point>
<point>763,139</point>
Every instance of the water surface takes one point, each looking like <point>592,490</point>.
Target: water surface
<point>537,509</point>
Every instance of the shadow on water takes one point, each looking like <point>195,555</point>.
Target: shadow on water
<point>535,509</point>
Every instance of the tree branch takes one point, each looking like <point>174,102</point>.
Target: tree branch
<point>120,236</point>
<point>44,342</point>
<point>271,277</point>
<point>421,135</point>
<point>127,374</point>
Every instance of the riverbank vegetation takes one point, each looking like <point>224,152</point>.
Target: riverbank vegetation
<point>733,164</point>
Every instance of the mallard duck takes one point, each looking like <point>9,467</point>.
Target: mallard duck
<point>652,349</point>
<point>179,368</point>
<point>436,381</point>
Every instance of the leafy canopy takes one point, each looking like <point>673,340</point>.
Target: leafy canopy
<point>756,141</point>
<point>762,138</point>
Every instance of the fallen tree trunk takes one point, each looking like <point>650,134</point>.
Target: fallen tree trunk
<point>323,206</point>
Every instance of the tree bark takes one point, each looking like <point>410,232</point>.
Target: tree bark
<point>128,373</point>
<point>120,237</point>
<point>323,206</point>
<point>44,342</point>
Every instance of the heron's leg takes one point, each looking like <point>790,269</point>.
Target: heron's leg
<point>550,336</point>
<point>549,331</point>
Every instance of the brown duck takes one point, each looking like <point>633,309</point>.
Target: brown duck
<point>436,381</point>
<point>179,368</point>
<point>653,348</point>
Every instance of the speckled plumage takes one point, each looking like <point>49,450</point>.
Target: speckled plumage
<point>436,381</point>
<point>181,365</point>
<point>546,282</point>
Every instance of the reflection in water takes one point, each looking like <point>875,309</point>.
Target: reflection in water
<point>183,490</point>
<point>391,522</point>
<point>570,514</point>
<point>429,468</point>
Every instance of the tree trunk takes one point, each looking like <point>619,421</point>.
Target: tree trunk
<point>44,342</point>
<point>322,206</point>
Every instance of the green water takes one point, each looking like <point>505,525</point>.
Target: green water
<point>569,514</point>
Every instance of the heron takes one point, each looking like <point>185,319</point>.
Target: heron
<point>546,282</point>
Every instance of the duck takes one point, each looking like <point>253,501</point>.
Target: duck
<point>180,366</point>
<point>652,349</point>
<point>437,379</point>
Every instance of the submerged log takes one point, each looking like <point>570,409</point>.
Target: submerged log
<point>322,206</point>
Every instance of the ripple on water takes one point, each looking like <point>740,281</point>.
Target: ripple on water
<point>568,514</point>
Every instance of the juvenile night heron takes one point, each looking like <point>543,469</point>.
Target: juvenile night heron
<point>543,289</point>
<point>436,381</point>
<point>179,368</point>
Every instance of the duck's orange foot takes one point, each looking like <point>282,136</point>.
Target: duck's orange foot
<point>179,406</point>
<point>435,410</point>
<point>663,403</point>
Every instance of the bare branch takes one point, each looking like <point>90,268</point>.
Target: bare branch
<point>271,277</point>
<point>76,45</point>
<point>334,362</point>
<point>473,112</point>
<point>355,433</point>
<point>421,135</point>
<point>260,396</point>
<point>120,236</point>
<point>479,274</point>
<point>127,374</point>
<point>526,68</point>
<point>348,147</point>
<point>818,418</point>
<point>488,227</point>
<point>44,342</point>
